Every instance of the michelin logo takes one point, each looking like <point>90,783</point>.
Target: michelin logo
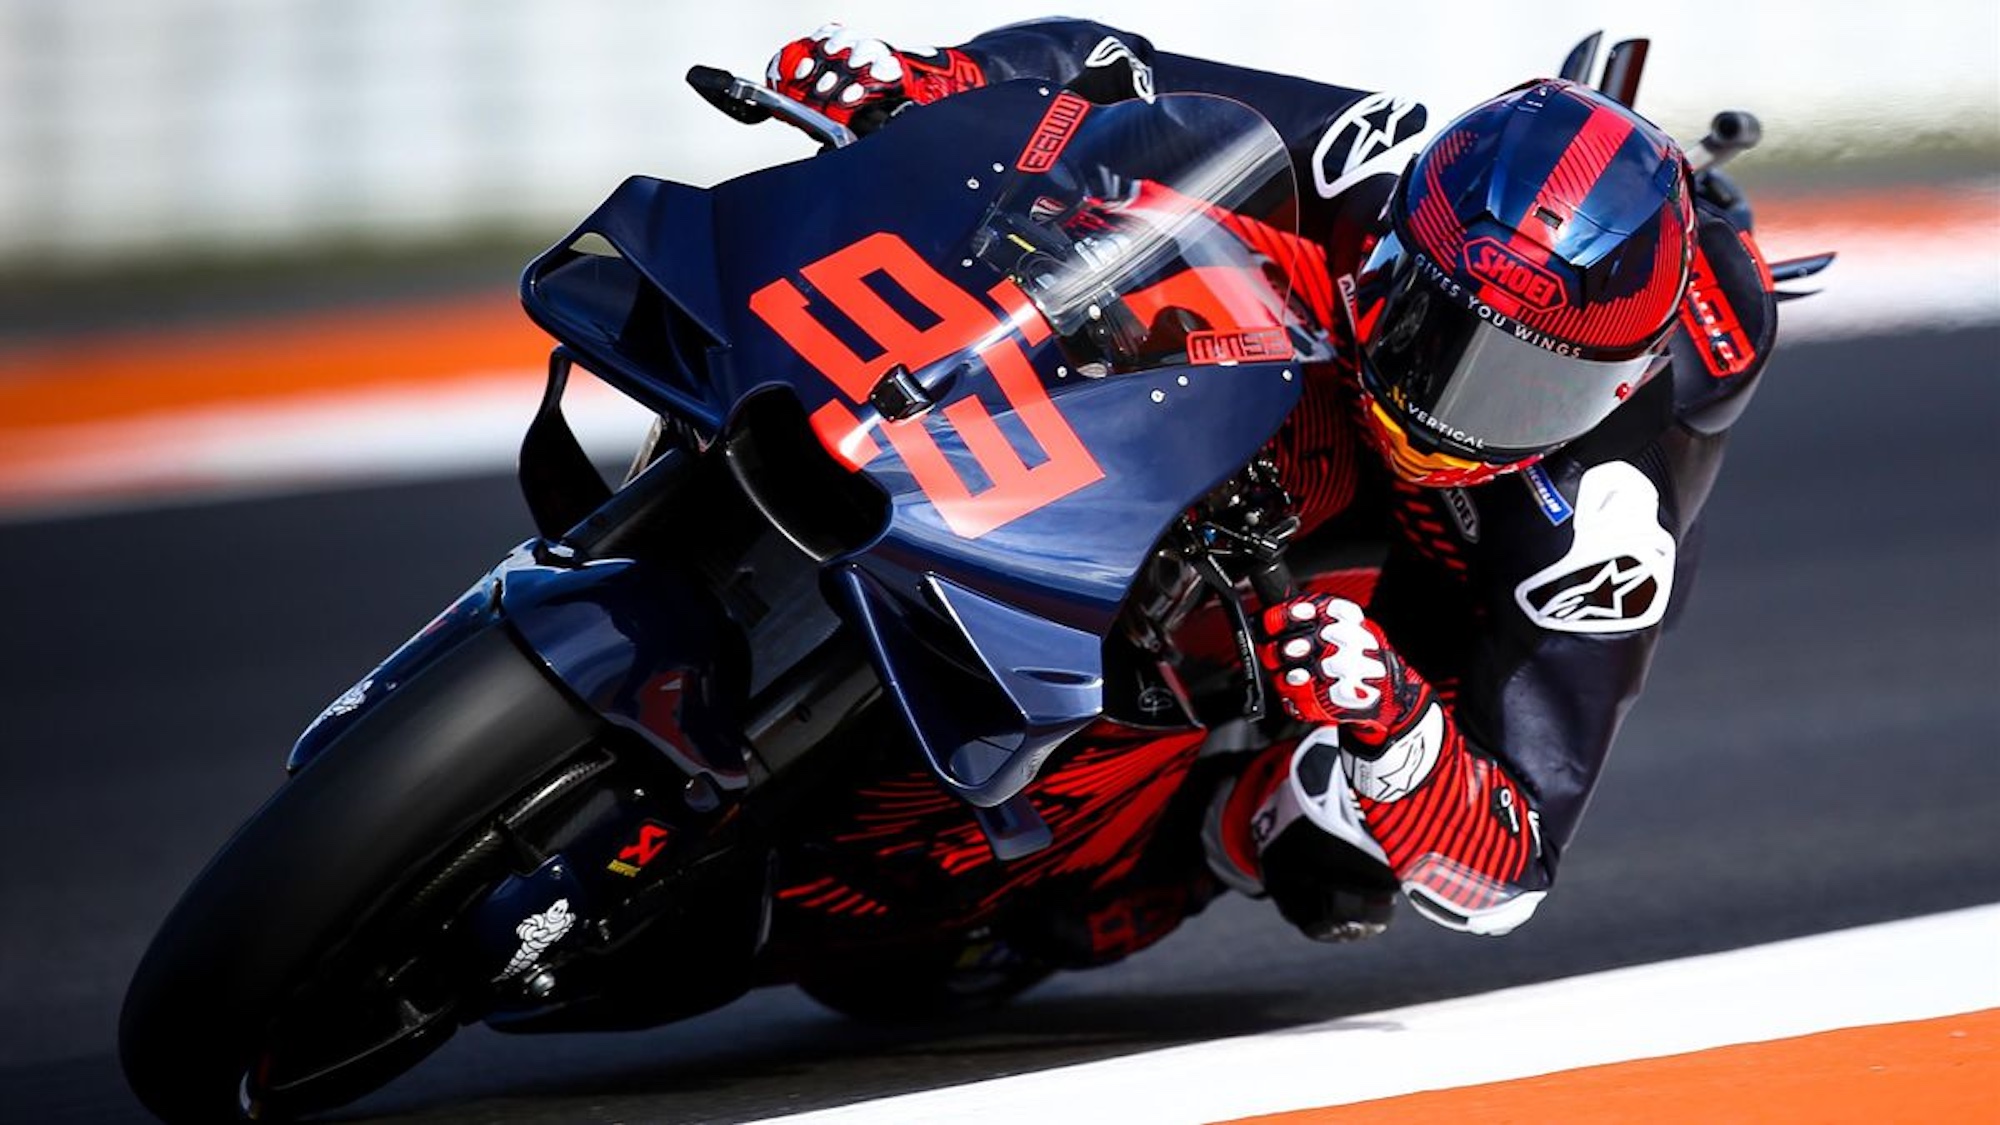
<point>537,933</point>
<point>1547,498</point>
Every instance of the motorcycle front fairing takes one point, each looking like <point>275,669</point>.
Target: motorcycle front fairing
<point>1041,329</point>
<point>636,643</point>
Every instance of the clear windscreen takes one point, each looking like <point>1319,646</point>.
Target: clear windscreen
<point>1155,234</point>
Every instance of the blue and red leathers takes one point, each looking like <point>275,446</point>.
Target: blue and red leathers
<point>1464,702</point>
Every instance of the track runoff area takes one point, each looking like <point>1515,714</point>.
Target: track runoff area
<point>378,394</point>
<point>1899,1021</point>
<point>1893,1022</point>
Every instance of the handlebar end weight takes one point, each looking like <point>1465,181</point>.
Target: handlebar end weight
<point>718,88</point>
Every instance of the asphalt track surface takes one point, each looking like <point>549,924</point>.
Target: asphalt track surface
<point>1816,750</point>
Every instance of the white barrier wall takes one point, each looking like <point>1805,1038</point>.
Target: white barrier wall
<point>133,127</point>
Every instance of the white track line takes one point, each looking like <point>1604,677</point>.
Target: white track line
<point>1883,283</point>
<point>1922,968</point>
<point>418,431</point>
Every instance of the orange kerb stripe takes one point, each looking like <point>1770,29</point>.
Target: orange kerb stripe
<point>1940,1070</point>
<point>93,379</point>
<point>1913,210</point>
<point>89,379</point>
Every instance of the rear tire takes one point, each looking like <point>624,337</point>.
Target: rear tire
<point>378,815</point>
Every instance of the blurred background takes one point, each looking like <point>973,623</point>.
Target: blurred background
<point>132,128</point>
<point>184,164</point>
<point>263,372</point>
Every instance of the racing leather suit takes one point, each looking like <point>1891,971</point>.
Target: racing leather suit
<point>1529,605</point>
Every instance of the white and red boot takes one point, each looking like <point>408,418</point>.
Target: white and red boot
<point>1386,793</point>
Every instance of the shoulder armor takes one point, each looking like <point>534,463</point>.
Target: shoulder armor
<point>1728,322</point>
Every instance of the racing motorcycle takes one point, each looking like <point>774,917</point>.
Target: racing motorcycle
<point>894,649</point>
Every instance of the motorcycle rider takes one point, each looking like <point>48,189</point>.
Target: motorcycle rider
<point>1506,293</point>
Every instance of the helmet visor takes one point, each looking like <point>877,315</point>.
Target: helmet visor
<point>1462,378</point>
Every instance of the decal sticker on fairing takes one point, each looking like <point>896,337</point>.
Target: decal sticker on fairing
<point>1058,125</point>
<point>1374,137</point>
<point>537,933</point>
<point>651,840</point>
<point>1619,570</point>
<point>851,282</point>
<point>1254,345</point>
<point>1111,49</point>
<point>350,700</point>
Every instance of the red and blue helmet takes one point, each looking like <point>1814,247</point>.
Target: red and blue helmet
<point>1537,253</point>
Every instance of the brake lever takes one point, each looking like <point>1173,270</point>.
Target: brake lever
<point>1213,576</point>
<point>1270,581</point>
<point>751,103</point>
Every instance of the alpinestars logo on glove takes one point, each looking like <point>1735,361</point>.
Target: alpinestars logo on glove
<point>1405,765</point>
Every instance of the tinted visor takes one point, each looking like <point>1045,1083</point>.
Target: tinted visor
<point>1462,378</point>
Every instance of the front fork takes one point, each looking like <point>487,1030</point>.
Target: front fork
<point>640,901</point>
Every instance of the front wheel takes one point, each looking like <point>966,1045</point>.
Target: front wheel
<point>309,963</point>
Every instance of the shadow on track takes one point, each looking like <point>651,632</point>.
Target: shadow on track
<point>1814,751</point>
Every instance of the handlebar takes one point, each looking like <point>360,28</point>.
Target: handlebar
<point>750,103</point>
<point>1733,132</point>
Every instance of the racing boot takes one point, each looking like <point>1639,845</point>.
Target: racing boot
<point>1387,777</point>
<point>1286,828</point>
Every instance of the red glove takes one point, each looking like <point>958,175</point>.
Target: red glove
<point>1331,665</point>
<point>862,82</point>
<point>1456,829</point>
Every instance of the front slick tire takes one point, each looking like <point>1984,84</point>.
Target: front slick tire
<point>305,880</point>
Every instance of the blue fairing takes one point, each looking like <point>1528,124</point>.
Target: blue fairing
<point>473,611</point>
<point>642,647</point>
<point>667,292</point>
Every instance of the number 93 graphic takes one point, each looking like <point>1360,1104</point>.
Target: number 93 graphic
<point>842,278</point>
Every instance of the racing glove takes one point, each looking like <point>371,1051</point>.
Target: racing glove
<point>1331,665</point>
<point>1390,774</point>
<point>862,82</point>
